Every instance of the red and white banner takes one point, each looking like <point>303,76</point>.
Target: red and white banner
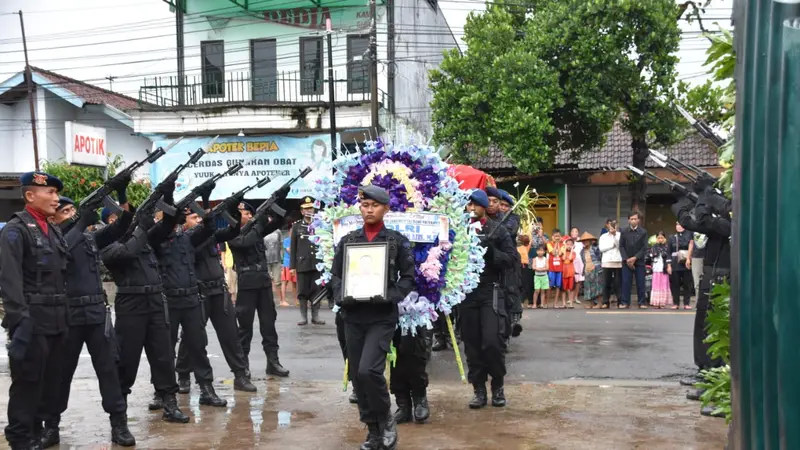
<point>85,145</point>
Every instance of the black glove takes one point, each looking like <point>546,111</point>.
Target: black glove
<point>349,301</point>
<point>22,335</point>
<point>205,194</point>
<point>703,184</point>
<point>377,299</point>
<point>281,193</point>
<point>146,220</point>
<point>717,203</point>
<point>677,193</point>
<point>120,183</point>
<point>88,216</point>
<point>167,189</point>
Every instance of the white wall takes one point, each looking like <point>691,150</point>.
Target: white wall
<point>17,139</point>
<point>58,111</point>
<point>590,206</point>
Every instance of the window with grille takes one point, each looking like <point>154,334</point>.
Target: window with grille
<point>357,64</point>
<point>212,54</point>
<point>311,66</point>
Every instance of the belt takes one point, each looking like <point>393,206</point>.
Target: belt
<point>87,300</point>
<point>46,299</point>
<point>253,268</point>
<point>150,289</point>
<point>180,292</point>
<point>211,284</point>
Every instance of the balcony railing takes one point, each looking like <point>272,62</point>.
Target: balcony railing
<point>242,87</point>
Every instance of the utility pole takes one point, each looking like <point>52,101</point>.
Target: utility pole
<point>331,94</point>
<point>373,67</point>
<point>29,78</point>
<point>179,7</point>
<point>111,82</point>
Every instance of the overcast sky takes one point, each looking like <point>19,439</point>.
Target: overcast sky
<point>131,39</point>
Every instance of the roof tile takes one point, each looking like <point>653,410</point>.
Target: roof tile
<point>89,93</point>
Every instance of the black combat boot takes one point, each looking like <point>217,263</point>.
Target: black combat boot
<point>403,413</point>
<point>36,444</point>
<point>353,398</point>
<point>274,366</point>
<point>120,434</point>
<point>498,393</point>
<point>691,380</point>
<point>421,409</point>
<point>374,438</point>
<point>156,403</point>
<point>184,385</point>
<point>209,397</point>
<point>50,436</point>
<point>708,411</point>
<point>439,342</point>
<point>479,398</point>
<point>694,394</point>
<point>389,433</point>
<point>171,411</point>
<point>516,327</point>
<point>241,382</point>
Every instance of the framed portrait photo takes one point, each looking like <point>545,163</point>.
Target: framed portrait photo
<point>365,270</point>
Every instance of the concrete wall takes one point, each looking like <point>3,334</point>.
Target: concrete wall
<point>591,206</point>
<point>58,111</point>
<point>16,137</point>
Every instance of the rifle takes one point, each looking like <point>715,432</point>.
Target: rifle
<point>189,200</point>
<point>674,165</point>
<point>670,183</point>
<point>702,128</point>
<point>270,203</point>
<point>222,208</point>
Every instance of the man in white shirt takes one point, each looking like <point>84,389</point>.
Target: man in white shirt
<point>611,262</point>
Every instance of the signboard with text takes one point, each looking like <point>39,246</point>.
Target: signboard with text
<point>85,145</point>
<point>277,157</point>
<point>417,227</point>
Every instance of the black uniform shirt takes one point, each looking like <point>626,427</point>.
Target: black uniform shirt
<point>176,260</point>
<point>208,266</point>
<point>717,228</point>
<point>249,258</point>
<point>303,253</point>
<point>502,258</point>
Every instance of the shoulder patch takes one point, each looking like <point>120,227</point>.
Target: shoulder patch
<point>12,234</point>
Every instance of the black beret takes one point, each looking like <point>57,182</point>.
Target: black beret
<point>493,192</point>
<point>506,197</point>
<point>372,192</point>
<point>64,201</point>
<point>247,207</point>
<point>40,179</point>
<point>479,198</point>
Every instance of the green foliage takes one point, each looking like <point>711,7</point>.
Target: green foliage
<point>707,102</point>
<point>717,391</point>
<point>718,323</point>
<point>80,181</point>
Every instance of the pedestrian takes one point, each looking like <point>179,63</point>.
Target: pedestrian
<point>274,244</point>
<point>592,270</point>
<point>632,249</point>
<point>288,279</point>
<point>612,263</point>
<point>658,256</point>
<point>483,310</point>
<point>34,259</point>
<point>303,264</point>
<point>680,248</point>
<point>255,284</point>
<point>568,274</point>
<point>141,310</point>
<point>524,248</point>
<point>555,250</point>
<point>541,281</point>
<point>217,305</point>
<point>90,316</point>
<point>370,326</point>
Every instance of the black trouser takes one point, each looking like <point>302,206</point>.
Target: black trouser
<point>367,346</point>
<point>527,285</point>
<point>193,324</point>
<point>340,334</point>
<point>220,310</point>
<point>408,376</point>
<point>681,279</point>
<point>306,288</point>
<point>612,279</point>
<point>151,333</point>
<point>249,302</point>
<point>35,383</point>
<point>483,322</point>
<point>701,357</point>
<point>103,351</point>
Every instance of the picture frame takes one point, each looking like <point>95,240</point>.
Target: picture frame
<point>365,270</point>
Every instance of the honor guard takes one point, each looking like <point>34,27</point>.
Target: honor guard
<point>90,315</point>
<point>217,306</point>
<point>33,256</point>
<point>483,312</point>
<point>141,310</point>
<point>370,325</point>
<point>303,262</point>
<point>255,286</point>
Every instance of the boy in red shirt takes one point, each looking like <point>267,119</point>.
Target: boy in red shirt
<point>554,250</point>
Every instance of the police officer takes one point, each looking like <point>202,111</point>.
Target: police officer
<point>90,316</point>
<point>255,286</point>
<point>303,262</point>
<point>370,326</point>
<point>482,313</point>
<point>33,256</point>
<point>500,203</point>
<point>142,315</point>
<point>409,378</point>
<point>217,306</point>
<point>176,261</point>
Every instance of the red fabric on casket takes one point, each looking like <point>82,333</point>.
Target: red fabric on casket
<point>470,177</point>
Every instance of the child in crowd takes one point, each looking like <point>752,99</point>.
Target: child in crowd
<point>568,274</point>
<point>288,279</point>
<point>658,257</point>
<point>554,265</point>
<point>541,281</point>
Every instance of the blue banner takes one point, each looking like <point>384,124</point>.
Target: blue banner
<point>277,157</point>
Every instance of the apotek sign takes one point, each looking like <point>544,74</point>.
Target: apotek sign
<point>85,144</point>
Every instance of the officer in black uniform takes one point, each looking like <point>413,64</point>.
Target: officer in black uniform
<point>370,326</point>
<point>90,316</point>
<point>142,315</point>
<point>255,286</point>
<point>710,216</point>
<point>176,261</point>
<point>483,313</point>
<point>33,256</point>
<point>217,305</point>
<point>303,261</point>
<point>409,378</point>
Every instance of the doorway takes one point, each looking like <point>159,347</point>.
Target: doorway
<point>264,70</point>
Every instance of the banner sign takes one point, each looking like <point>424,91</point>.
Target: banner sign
<point>417,227</point>
<point>277,157</point>
<point>85,145</point>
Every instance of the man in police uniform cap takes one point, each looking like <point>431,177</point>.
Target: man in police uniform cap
<point>303,261</point>
<point>33,256</point>
<point>370,325</point>
<point>90,316</point>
